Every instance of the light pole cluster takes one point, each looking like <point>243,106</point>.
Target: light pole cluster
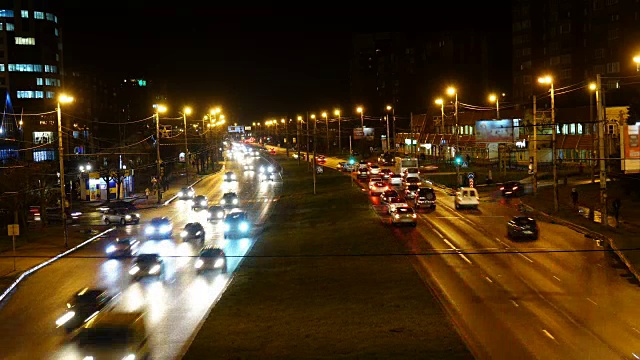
<point>62,99</point>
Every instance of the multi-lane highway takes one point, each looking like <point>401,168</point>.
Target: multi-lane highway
<point>555,298</point>
<point>174,306</point>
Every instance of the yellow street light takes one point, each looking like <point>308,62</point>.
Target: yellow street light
<point>161,108</point>
<point>299,118</point>
<point>63,99</point>
<point>592,86</point>
<point>389,107</point>
<point>222,116</point>
<point>324,114</point>
<point>359,110</point>
<point>187,110</point>
<point>217,110</point>
<point>313,116</point>
<point>336,112</point>
<point>636,59</point>
<point>492,98</point>
<point>545,79</point>
<point>253,124</point>
<point>451,90</point>
<point>282,121</point>
<point>439,102</point>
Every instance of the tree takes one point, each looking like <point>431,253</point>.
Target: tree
<point>118,177</point>
<point>634,111</point>
<point>105,174</point>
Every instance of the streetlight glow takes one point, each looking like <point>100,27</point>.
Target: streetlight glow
<point>187,110</point>
<point>63,98</point>
<point>324,114</point>
<point>336,112</point>
<point>359,110</point>
<point>492,98</point>
<point>439,101</point>
<point>299,118</point>
<point>313,116</point>
<point>389,107</point>
<point>545,79</point>
<point>592,86</point>
<point>636,59</point>
<point>451,90</point>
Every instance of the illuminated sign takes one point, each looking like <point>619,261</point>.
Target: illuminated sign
<point>235,129</point>
<point>521,144</point>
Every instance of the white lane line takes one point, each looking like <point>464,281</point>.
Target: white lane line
<point>636,330</point>
<point>557,278</point>
<point>548,334</point>
<point>526,258</point>
<point>454,248</point>
<point>438,232</point>
<point>465,258</point>
<point>447,217</point>
<point>450,244</point>
<point>489,280</point>
<point>593,302</point>
<point>515,303</point>
<point>502,242</point>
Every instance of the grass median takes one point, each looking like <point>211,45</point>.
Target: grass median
<point>328,280</point>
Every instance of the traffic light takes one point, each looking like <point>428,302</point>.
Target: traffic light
<point>458,160</point>
<point>352,161</point>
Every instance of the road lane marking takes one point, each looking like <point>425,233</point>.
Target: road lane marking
<point>449,243</point>
<point>548,334</point>
<point>557,278</point>
<point>593,302</point>
<point>489,280</point>
<point>465,258</point>
<point>438,232</point>
<point>515,303</point>
<point>636,330</point>
<point>448,217</point>
<point>456,249</point>
<point>525,257</point>
<point>502,242</point>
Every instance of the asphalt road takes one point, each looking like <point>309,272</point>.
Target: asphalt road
<point>174,306</point>
<point>555,298</point>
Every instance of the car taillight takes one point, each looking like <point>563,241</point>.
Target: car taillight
<point>515,188</point>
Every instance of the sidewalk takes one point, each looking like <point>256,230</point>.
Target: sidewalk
<point>317,284</point>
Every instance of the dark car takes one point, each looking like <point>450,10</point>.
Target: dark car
<point>363,173</point>
<point>82,306</point>
<point>236,223</point>
<point>193,231</point>
<point>411,191</point>
<point>386,173</point>
<point>200,202</point>
<point>412,181</point>
<point>215,213</point>
<point>159,228</point>
<point>321,159</point>
<point>230,176</point>
<point>230,199</point>
<point>211,258</point>
<point>147,265</point>
<point>522,227</point>
<point>512,188</point>
<point>122,247</point>
<point>426,197</point>
<point>186,193</point>
<point>388,195</point>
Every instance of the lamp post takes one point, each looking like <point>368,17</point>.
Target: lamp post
<point>441,103</point>
<point>636,59</point>
<point>592,88</point>
<point>159,109</point>
<point>315,147</point>
<point>337,113</point>
<point>360,111</point>
<point>494,98</point>
<point>63,99</point>
<point>286,135</point>
<point>389,108</point>
<point>326,119</point>
<point>549,81</point>
<point>312,117</point>
<point>452,91</point>
<point>298,125</point>
<point>186,111</point>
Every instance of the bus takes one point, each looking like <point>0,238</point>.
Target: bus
<point>404,163</point>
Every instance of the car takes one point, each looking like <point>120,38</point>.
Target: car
<point>147,265</point>
<point>363,173</point>
<point>120,216</point>
<point>512,188</point>
<point>159,228</point>
<point>122,247</point>
<point>467,197</point>
<point>411,191</point>
<point>82,306</point>
<point>426,197</point>
<point>412,181</point>
<point>248,167</point>
<point>199,202</point>
<point>211,258</point>
<point>387,195</point>
<point>229,176</point>
<point>412,172</point>
<point>272,151</point>
<point>396,203</point>
<point>395,180</point>
<point>404,215</point>
<point>120,204</point>
<point>522,227</point>
<point>186,193</point>
<point>236,223</point>
<point>377,187</point>
<point>386,173</point>
<point>321,159</point>
<point>230,199</point>
<point>215,213</point>
<point>193,231</point>
<point>363,164</point>
<point>374,170</point>
<point>374,180</point>
<point>387,159</point>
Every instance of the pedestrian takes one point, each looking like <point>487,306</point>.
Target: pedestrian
<point>616,209</point>
<point>146,193</point>
<point>574,197</point>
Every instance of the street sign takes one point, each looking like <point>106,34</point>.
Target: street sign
<point>14,229</point>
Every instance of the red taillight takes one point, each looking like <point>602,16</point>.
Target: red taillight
<point>515,188</point>
<point>501,187</point>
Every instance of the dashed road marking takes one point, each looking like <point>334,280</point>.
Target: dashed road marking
<point>548,334</point>
<point>515,303</point>
<point>593,302</point>
<point>525,257</point>
<point>489,280</point>
<point>557,278</point>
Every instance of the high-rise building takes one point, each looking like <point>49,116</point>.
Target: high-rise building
<point>573,40</point>
<point>30,76</point>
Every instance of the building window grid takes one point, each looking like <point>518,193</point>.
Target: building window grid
<point>24,13</point>
<point>29,94</point>
<point>25,67</point>
<point>38,81</point>
<point>38,15</point>
<point>50,94</point>
<point>6,13</point>
<point>25,40</point>
<point>10,27</point>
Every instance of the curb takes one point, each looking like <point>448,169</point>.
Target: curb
<point>30,271</point>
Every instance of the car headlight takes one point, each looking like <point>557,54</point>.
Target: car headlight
<point>198,264</point>
<point>226,227</point>
<point>154,269</point>
<point>110,249</point>
<point>184,233</point>
<point>180,193</point>
<point>220,214</point>
<point>203,203</point>
<point>134,270</point>
<point>218,263</point>
<point>235,201</point>
<point>165,229</point>
<point>149,230</point>
<point>127,217</point>
<point>208,215</point>
<point>223,201</point>
<point>129,357</point>
<point>244,226</point>
<point>270,168</point>
<point>66,317</point>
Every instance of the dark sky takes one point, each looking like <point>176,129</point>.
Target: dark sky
<point>254,62</point>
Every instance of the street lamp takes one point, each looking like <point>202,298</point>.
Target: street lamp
<point>548,80</point>
<point>336,112</point>
<point>636,59</point>
<point>494,98</point>
<point>298,126</point>
<point>185,112</point>
<point>63,99</point>
<point>326,118</point>
<point>313,117</point>
<point>451,91</point>
<point>159,109</point>
<point>389,108</point>
<point>360,111</point>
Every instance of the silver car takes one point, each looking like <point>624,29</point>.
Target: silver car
<point>120,216</point>
<point>404,215</point>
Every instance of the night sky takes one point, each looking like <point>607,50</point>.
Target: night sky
<point>255,62</point>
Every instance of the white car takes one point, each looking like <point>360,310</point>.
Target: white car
<point>374,170</point>
<point>396,180</point>
<point>395,203</point>
<point>374,180</point>
<point>412,172</point>
<point>467,197</point>
<point>377,188</point>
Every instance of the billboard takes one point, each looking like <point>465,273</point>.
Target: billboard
<point>495,130</point>
<point>367,134</point>
<point>235,129</point>
<point>629,140</point>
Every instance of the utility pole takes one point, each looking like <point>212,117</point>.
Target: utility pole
<point>308,163</point>
<point>553,151</point>
<point>457,143</point>
<point>337,112</point>
<point>158,182</point>
<point>315,146</point>
<point>592,86</point>
<point>287,144</point>
<point>351,152</point>
<point>298,126</point>
<point>534,175</point>
<point>393,115</point>
<point>186,148</point>
<point>602,154</point>
<point>62,192</point>
<point>326,118</point>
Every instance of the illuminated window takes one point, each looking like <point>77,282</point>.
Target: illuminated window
<point>1,67</point>
<point>52,82</point>
<point>50,69</point>
<point>25,67</point>
<point>50,94</point>
<point>55,31</point>
<point>1,26</point>
<point>28,94</point>
<point>50,17</point>
<point>38,81</point>
<point>25,41</point>
<point>42,137</point>
<point>38,15</point>
<point>43,155</point>
<point>24,13</point>
<point>6,13</point>
<point>10,27</point>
